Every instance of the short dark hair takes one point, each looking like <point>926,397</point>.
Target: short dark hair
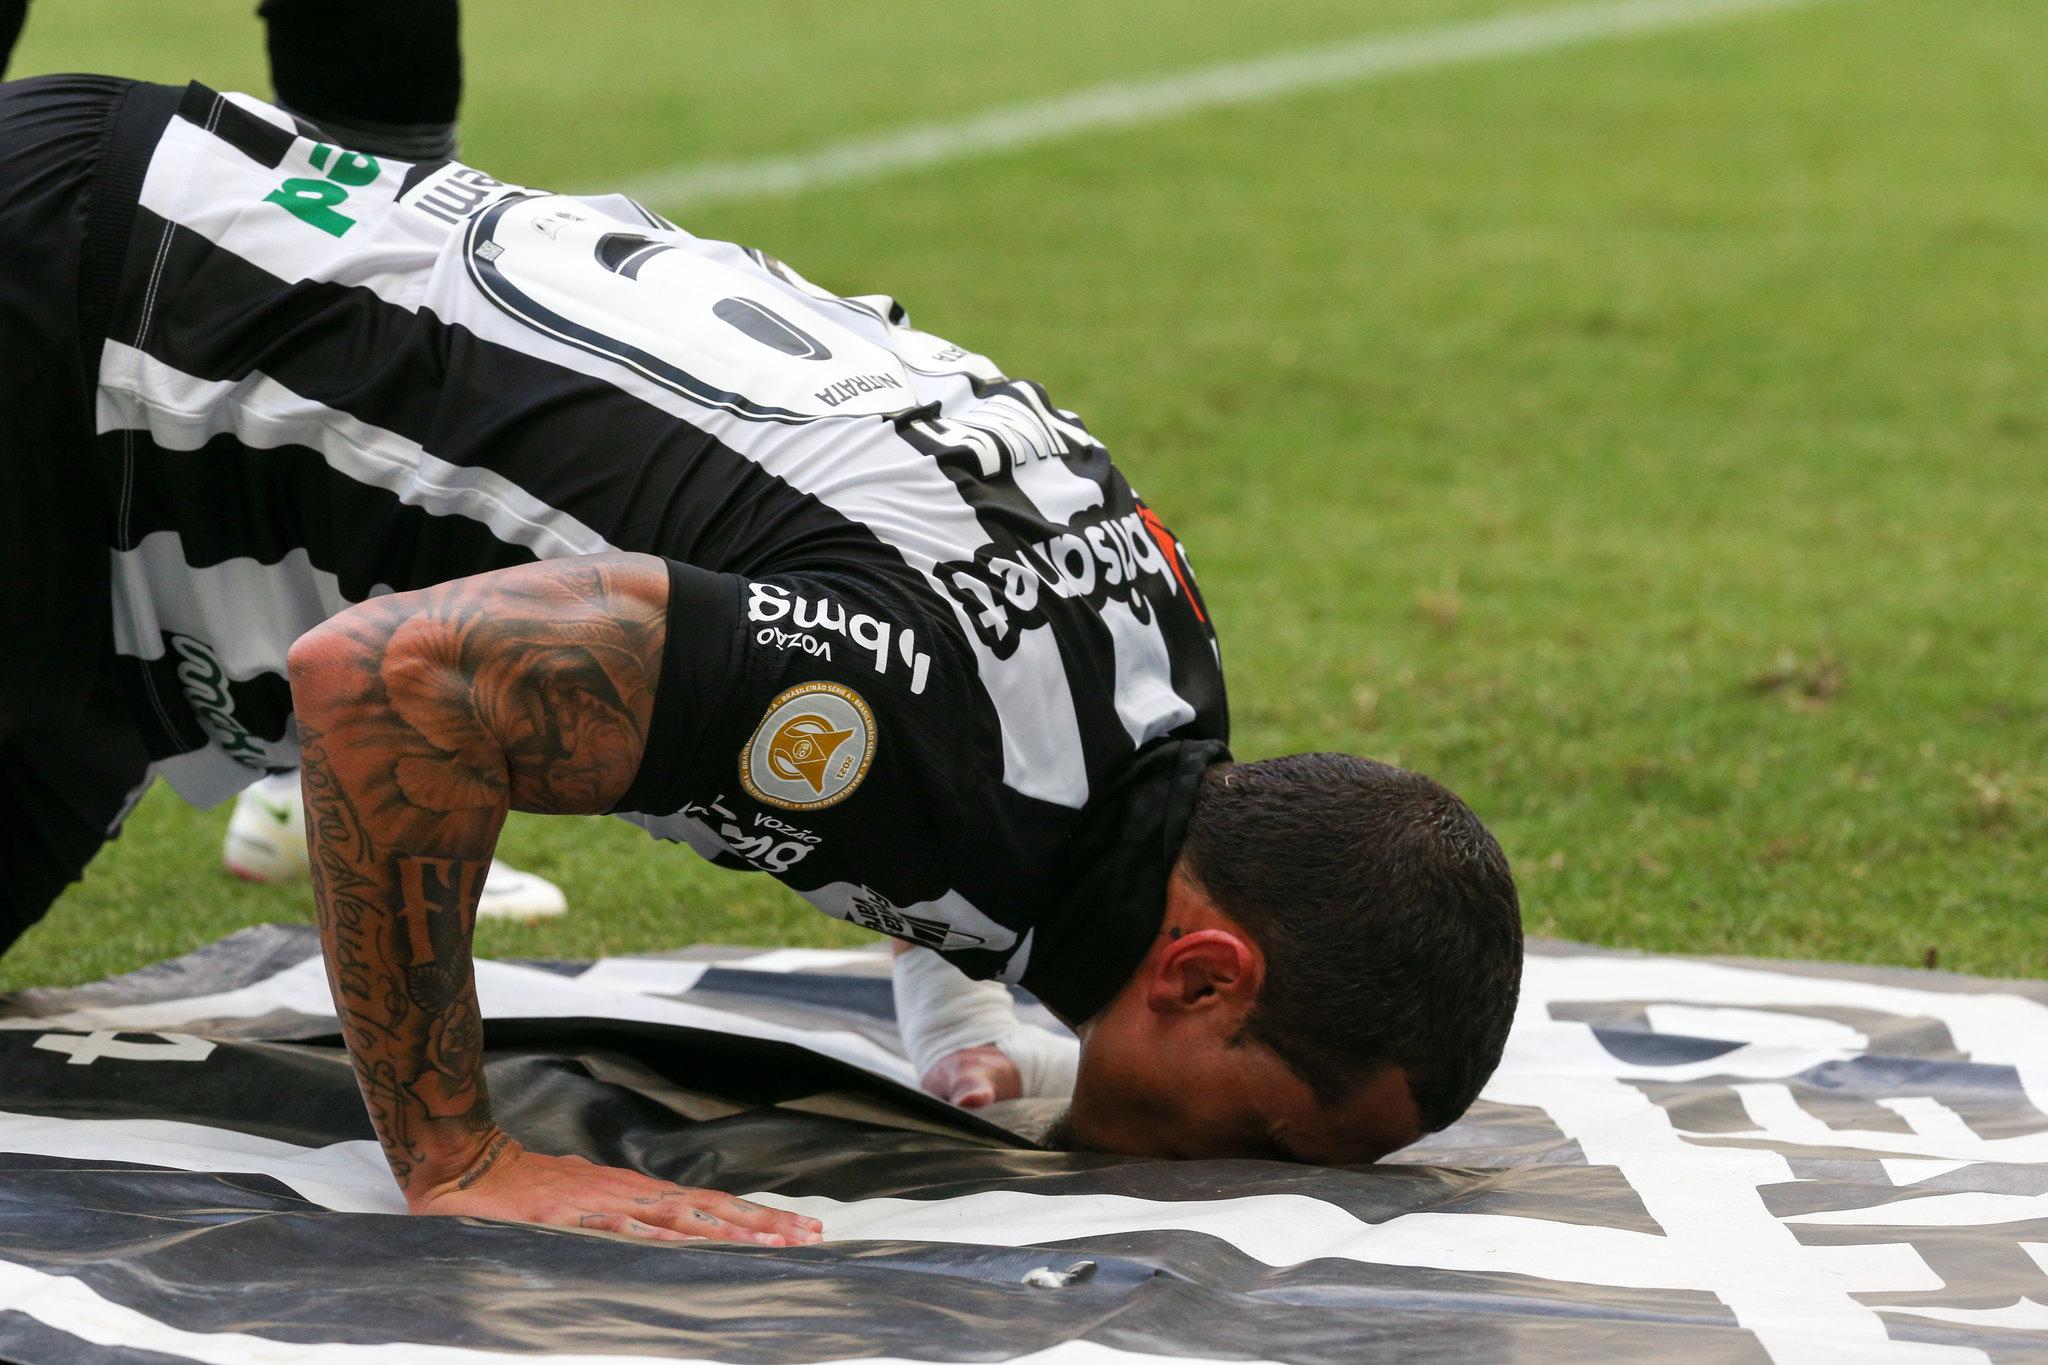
<point>1386,913</point>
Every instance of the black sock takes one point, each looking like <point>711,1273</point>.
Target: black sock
<point>379,76</point>
<point>12,12</point>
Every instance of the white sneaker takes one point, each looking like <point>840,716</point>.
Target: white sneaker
<point>267,833</point>
<point>519,896</point>
<point>266,842</point>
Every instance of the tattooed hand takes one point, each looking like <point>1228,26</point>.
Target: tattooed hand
<point>508,1181</point>
<point>423,717</point>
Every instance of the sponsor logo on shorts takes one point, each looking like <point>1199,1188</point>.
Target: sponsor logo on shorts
<point>770,605</point>
<point>206,691</point>
<point>812,748</point>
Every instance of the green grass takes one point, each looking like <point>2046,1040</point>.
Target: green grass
<point>1646,439</point>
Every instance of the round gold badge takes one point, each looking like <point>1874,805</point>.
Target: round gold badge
<point>811,749</point>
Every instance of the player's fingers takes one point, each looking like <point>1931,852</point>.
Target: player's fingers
<point>681,1213</point>
<point>626,1225</point>
<point>634,1227</point>
<point>732,1208</point>
<point>686,1208</point>
<point>776,1230</point>
<point>762,1218</point>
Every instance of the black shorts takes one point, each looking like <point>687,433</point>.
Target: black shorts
<point>63,793</point>
<point>72,153</point>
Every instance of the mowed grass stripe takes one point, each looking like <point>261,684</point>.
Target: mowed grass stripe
<point>1127,104</point>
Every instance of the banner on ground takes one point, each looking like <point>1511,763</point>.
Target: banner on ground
<point>1679,1158</point>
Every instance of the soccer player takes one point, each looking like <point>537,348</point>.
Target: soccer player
<point>465,497</point>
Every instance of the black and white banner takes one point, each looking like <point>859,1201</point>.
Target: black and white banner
<point>1715,1160</point>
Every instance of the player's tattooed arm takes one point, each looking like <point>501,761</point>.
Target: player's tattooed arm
<point>423,717</point>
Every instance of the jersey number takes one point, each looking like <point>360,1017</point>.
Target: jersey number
<point>672,312</point>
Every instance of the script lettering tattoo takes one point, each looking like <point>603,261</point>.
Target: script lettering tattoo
<point>486,1161</point>
<point>422,719</point>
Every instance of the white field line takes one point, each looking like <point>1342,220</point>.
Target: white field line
<point>1130,104</point>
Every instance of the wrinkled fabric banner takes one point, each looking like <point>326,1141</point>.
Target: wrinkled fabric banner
<point>1679,1157</point>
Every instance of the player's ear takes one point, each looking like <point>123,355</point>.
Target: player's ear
<point>1206,969</point>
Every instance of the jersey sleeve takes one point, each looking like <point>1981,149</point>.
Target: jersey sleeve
<point>701,672</point>
<point>823,729</point>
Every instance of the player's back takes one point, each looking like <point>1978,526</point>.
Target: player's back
<point>329,377</point>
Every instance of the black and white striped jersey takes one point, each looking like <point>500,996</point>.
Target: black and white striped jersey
<point>932,663</point>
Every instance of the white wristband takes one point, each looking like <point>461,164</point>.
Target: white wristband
<point>1047,1062</point>
<point>939,1011</point>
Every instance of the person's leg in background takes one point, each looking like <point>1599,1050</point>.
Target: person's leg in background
<point>377,76</point>
<point>12,12</point>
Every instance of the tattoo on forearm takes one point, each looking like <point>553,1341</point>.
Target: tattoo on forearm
<point>528,689</point>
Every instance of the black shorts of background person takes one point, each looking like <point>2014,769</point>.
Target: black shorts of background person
<point>12,13</point>
<point>377,76</point>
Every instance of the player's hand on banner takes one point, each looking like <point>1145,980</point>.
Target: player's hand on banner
<point>974,1076</point>
<point>507,1181</point>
